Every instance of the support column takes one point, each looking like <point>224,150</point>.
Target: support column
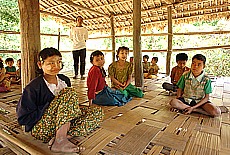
<point>138,69</point>
<point>30,38</point>
<point>59,38</point>
<point>170,35</point>
<point>113,37</point>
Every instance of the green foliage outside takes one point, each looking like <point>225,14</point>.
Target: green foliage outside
<point>217,59</point>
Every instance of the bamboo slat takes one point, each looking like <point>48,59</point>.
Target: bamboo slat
<point>21,143</point>
<point>155,150</point>
<point>135,141</point>
<point>117,126</point>
<point>135,115</point>
<point>175,152</point>
<point>6,151</point>
<point>94,143</point>
<point>203,143</point>
<point>150,95</point>
<point>182,126</point>
<point>225,137</point>
<point>163,115</point>
<point>170,140</point>
<point>154,104</point>
<point>211,125</point>
<point>226,118</point>
<point>155,124</point>
<point>14,148</point>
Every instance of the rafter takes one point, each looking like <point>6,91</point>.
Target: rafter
<point>83,8</point>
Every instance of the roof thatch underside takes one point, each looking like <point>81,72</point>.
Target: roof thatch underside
<point>96,13</point>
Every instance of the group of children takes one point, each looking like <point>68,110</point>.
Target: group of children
<point>49,107</point>
<point>192,85</point>
<point>150,70</point>
<point>9,74</point>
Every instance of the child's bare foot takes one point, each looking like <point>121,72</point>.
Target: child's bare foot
<point>64,145</point>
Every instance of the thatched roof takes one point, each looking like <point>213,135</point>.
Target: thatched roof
<point>97,13</point>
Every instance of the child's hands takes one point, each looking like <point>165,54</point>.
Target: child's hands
<point>123,84</point>
<point>188,110</point>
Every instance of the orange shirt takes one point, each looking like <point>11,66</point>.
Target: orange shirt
<point>177,72</point>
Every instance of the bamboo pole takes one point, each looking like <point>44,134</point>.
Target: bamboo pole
<point>19,143</point>
<point>169,53</point>
<point>138,69</point>
<point>30,38</point>
<point>59,38</point>
<point>113,37</point>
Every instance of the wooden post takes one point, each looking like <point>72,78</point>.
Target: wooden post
<point>113,36</point>
<point>59,38</point>
<point>30,38</point>
<point>138,69</point>
<point>170,35</point>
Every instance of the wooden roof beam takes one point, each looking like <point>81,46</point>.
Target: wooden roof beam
<point>58,16</point>
<point>55,6</point>
<point>83,8</point>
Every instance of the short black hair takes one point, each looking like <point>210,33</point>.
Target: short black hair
<point>9,59</point>
<point>181,57</point>
<point>146,56</point>
<point>48,52</point>
<point>155,58</point>
<point>199,57</point>
<point>95,53</point>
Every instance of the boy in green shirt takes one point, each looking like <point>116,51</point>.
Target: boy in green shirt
<point>194,88</point>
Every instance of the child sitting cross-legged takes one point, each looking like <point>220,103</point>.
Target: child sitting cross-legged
<point>193,90</point>
<point>98,91</point>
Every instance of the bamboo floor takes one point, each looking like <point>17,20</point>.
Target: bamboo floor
<point>143,126</point>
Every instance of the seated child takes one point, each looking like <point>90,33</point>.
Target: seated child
<point>120,73</point>
<point>49,108</point>
<point>193,90</point>
<point>153,69</point>
<point>177,72</point>
<point>4,80</point>
<point>98,91</point>
<point>145,64</point>
<point>10,69</point>
<point>18,72</point>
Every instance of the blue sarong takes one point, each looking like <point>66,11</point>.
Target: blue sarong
<point>110,97</point>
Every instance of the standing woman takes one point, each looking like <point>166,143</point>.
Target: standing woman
<point>79,35</point>
<point>49,108</point>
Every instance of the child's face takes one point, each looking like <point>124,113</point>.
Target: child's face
<point>131,59</point>
<point>123,55</point>
<point>98,60</point>
<point>145,59</point>
<point>197,67</point>
<point>51,65</point>
<point>181,63</point>
<point>153,61</point>
<point>19,64</point>
<point>10,63</point>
